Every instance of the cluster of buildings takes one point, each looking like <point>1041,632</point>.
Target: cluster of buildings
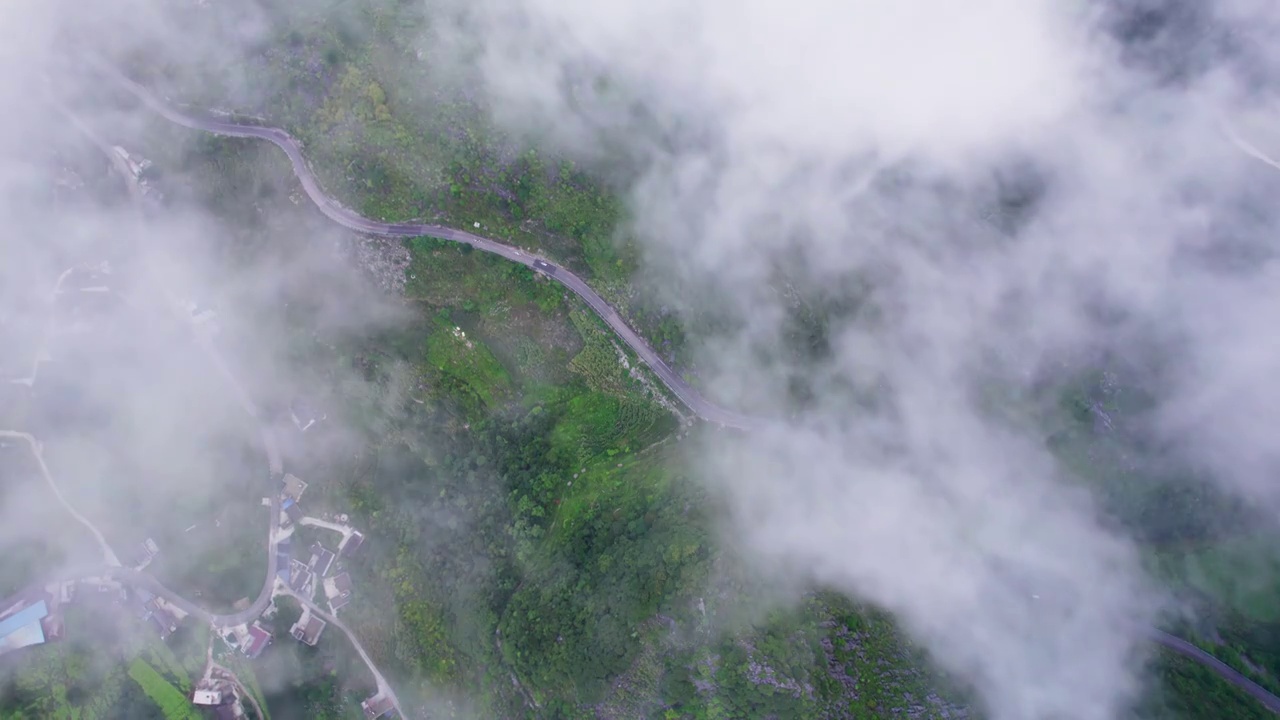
<point>304,578</point>
<point>34,616</point>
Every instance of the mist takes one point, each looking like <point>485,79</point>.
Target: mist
<point>1006,190</point>
<point>972,198</point>
<point>138,424</point>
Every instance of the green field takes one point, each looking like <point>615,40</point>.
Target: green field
<point>172,702</point>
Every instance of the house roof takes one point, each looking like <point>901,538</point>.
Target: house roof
<point>376,707</point>
<point>311,631</point>
<point>206,697</point>
<point>294,486</point>
<point>29,634</point>
<point>342,581</point>
<point>298,575</point>
<point>24,617</point>
<point>352,543</point>
<point>161,625</point>
<point>321,559</point>
<point>258,640</point>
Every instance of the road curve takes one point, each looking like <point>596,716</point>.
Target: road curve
<point>1223,670</point>
<point>275,464</point>
<point>701,406</point>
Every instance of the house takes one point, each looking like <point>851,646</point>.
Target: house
<point>259,639</point>
<point>206,697</point>
<point>299,578</point>
<point>283,560</point>
<point>351,543</point>
<point>293,511</point>
<point>308,629</point>
<point>164,620</point>
<point>321,560</point>
<point>294,486</point>
<point>377,706</point>
<point>23,627</point>
<point>338,590</point>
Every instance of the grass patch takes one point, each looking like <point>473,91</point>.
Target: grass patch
<point>467,364</point>
<point>597,424</point>
<point>172,702</point>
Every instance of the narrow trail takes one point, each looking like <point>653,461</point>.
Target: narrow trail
<point>108,555</point>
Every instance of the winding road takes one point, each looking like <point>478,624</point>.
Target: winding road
<point>335,211</point>
<point>701,406</point>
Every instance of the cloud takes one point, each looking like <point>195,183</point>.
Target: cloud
<point>793,153</point>
<point>139,427</point>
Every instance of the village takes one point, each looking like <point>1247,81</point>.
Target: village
<point>314,575</point>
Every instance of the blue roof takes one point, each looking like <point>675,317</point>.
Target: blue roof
<point>25,616</point>
<point>287,502</point>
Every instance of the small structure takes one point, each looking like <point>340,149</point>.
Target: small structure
<point>377,706</point>
<point>147,551</point>
<point>259,639</point>
<point>164,620</point>
<point>307,629</point>
<point>321,560</point>
<point>351,543</point>
<point>292,511</point>
<point>294,486</point>
<point>338,590</point>
<point>300,578</point>
<point>206,697</point>
<point>284,560</point>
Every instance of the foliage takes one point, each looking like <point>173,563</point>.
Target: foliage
<point>1187,690</point>
<point>172,702</point>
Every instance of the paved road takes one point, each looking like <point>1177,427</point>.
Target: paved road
<point>1223,670</point>
<point>384,687</point>
<point>352,220</point>
<point>700,405</point>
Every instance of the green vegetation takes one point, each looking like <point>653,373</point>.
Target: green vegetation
<point>1216,555</point>
<point>107,666</point>
<point>536,548</point>
<point>171,701</point>
<point>1188,690</point>
<point>326,682</point>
